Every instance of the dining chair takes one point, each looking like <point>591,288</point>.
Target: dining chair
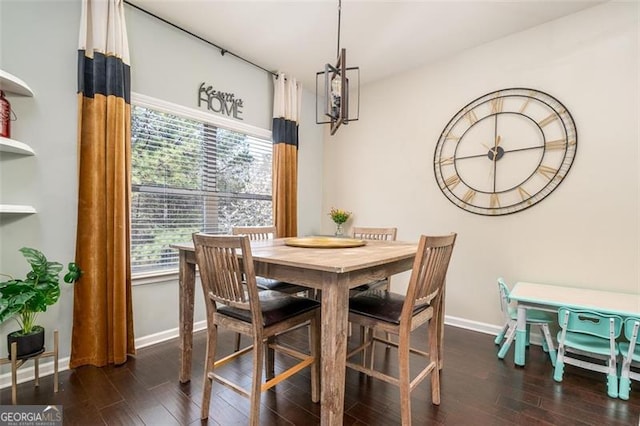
<point>380,234</point>
<point>630,352</point>
<point>233,301</point>
<point>534,318</point>
<point>400,315</point>
<point>587,334</point>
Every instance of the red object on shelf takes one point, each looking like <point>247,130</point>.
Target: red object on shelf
<point>5,116</point>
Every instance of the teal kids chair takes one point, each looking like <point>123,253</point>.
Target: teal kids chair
<point>534,317</point>
<point>589,334</point>
<point>630,356</point>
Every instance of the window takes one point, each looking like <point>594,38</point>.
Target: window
<point>190,174</point>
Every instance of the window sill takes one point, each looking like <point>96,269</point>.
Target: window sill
<point>154,277</point>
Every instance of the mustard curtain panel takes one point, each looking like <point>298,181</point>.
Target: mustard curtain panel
<point>286,111</point>
<point>102,311</point>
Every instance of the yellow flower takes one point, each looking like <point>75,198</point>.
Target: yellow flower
<point>339,216</point>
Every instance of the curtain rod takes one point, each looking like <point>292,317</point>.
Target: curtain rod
<point>222,50</point>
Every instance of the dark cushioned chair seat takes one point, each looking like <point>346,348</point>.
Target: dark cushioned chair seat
<point>269,284</point>
<point>381,305</point>
<point>276,307</point>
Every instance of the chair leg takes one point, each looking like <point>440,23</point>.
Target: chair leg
<point>210,357</point>
<point>237,345</point>
<point>625,388</point>
<point>387,334</point>
<point>256,383</point>
<point>625,382</point>
<point>612,378</point>
<point>269,354</point>
<point>404,379</point>
<point>500,335</point>
<point>558,371</point>
<point>549,343</point>
<point>368,353</point>
<point>511,334</point>
<point>434,356</point>
<point>314,331</point>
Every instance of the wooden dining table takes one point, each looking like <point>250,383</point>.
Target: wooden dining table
<point>334,271</point>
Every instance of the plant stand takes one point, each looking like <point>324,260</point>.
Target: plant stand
<point>17,363</point>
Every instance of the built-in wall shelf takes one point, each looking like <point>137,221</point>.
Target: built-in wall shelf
<point>12,85</point>
<point>15,147</point>
<point>16,209</point>
<point>9,83</point>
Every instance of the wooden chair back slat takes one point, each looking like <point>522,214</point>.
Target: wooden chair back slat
<point>429,272</point>
<point>222,272</point>
<point>370,233</point>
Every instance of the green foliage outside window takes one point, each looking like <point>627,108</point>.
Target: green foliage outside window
<point>189,176</point>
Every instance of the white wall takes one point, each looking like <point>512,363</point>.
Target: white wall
<point>585,233</point>
<point>39,41</point>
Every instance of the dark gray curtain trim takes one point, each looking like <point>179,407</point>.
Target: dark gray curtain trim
<point>284,131</point>
<point>104,75</point>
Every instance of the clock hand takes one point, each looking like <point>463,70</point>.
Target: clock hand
<point>495,157</point>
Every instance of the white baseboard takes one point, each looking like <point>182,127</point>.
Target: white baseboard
<point>27,374</point>
<point>481,327</point>
<point>163,336</point>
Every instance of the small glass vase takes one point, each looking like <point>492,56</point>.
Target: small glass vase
<point>339,230</point>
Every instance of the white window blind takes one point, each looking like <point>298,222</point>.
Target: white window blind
<point>189,175</point>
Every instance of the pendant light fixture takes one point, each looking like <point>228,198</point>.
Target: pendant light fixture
<point>333,88</point>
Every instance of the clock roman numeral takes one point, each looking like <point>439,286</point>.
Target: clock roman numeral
<point>556,144</point>
<point>452,137</point>
<point>551,118</point>
<point>524,105</point>
<point>523,193</point>
<point>468,196</point>
<point>496,105</point>
<point>452,181</point>
<point>471,116</point>
<point>445,161</point>
<point>546,171</point>
<point>494,201</point>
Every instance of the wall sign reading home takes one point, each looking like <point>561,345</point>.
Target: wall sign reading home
<point>220,102</point>
<point>505,151</point>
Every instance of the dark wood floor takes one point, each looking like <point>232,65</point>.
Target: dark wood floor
<point>477,389</point>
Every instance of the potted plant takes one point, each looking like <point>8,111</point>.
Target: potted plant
<point>24,299</point>
<point>339,217</point>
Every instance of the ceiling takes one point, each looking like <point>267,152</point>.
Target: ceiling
<point>381,37</point>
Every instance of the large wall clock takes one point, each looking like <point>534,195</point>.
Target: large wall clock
<point>505,151</point>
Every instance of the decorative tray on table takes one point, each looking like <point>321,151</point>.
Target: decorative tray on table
<point>324,242</point>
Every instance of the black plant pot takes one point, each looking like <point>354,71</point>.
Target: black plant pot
<point>28,344</point>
